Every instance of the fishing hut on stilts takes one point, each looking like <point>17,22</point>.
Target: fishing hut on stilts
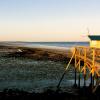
<point>87,63</point>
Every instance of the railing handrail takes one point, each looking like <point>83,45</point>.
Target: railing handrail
<point>87,47</point>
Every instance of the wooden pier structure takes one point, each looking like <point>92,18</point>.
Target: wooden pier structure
<point>87,62</point>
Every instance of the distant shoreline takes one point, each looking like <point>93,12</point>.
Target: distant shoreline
<point>45,44</point>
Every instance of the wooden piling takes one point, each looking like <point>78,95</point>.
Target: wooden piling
<point>75,71</point>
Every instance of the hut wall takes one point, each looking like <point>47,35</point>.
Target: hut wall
<point>95,43</point>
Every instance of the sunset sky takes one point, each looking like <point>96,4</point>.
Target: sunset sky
<point>48,20</point>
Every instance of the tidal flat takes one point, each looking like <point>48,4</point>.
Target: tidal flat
<point>33,73</point>
<point>33,69</point>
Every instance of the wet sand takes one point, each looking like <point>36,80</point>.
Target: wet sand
<point>38,53</point>
<point>43,53</point>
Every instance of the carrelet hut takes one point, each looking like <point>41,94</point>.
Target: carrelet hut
<point>94,41</point>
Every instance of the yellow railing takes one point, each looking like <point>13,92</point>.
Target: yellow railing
<point>90,58</point>
<point>87,61</point>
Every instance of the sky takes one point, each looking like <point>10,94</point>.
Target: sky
<point>49,20</point>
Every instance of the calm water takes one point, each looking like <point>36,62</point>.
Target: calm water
<point>31,75</point>
<point>58,44</point>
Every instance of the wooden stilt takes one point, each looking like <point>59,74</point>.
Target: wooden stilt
<point>79,71</point>
<point>91,81</point>
<point>84,80</point>
<point>79,80</point>
<point>84,73</point>
<point>75,78</point>
<point>75,84</point>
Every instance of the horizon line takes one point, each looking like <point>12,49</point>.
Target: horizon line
<point>44,41</point>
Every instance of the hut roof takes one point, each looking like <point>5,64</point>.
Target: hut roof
<point>94,37</point>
